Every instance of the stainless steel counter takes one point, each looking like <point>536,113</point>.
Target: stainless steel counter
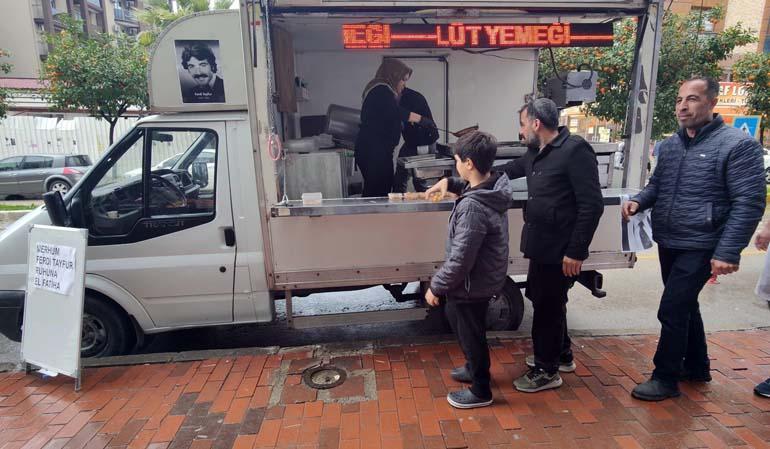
<point>357,206</point>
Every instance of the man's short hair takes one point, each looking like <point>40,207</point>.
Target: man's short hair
<point>200,52</point>
<point>543,109</point>
<point>712,85</point>
<point>478,146</point>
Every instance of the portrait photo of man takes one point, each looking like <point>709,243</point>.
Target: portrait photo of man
<point>200,77</point>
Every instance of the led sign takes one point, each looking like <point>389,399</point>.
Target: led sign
<point>475,35</point>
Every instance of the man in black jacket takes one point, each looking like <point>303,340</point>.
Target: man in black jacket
<point>707,195</point>
<point>561,215</point>
<point>415,136</point>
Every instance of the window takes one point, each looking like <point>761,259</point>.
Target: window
<point>11,163</point>
<point>77,161</point>
<point>34,162</point>
<point>117,200</point>
<point>182,179</point>
<point>179,185</point>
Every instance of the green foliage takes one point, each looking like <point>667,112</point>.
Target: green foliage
<point>156,15</point>
<point>685,51</point>
<point>104,75</point>
<point>4,68</point>
<point>754,68</point>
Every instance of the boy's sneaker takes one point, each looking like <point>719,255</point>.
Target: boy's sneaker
<point>466,399</point>
<point>564,367</point>
<point>763,389</point>
<point>461,375</point>
<point>537,380</point>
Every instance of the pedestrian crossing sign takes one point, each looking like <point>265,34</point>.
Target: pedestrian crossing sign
<point>748,124</point>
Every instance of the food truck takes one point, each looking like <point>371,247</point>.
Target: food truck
<point>256,107</point>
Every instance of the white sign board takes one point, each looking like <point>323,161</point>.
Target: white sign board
<point>53,307</point>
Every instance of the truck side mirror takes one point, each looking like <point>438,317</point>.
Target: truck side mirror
<point>57,211</point>
<point>200,173</point>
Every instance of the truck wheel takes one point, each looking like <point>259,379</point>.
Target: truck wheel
<point>506,310</point>
<point>105,331</point>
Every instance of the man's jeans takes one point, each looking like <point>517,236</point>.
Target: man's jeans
<point>682,341</point>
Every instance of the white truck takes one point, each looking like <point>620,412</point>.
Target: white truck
<point>197,244</point>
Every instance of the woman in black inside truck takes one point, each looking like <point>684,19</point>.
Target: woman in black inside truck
<point>380,129</point>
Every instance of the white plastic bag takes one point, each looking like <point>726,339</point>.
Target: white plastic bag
<point>763,285</point>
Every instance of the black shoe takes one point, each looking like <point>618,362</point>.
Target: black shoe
<point>695,376</point>
<point>655,390</point>
<point>763,389</point>
<point>466,399</point>
<point>461,375</point>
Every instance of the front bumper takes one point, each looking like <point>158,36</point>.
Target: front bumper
<point>11,313</point>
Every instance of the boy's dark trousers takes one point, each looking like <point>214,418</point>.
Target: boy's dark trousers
<point>547,288</point>
<point>469,322</point>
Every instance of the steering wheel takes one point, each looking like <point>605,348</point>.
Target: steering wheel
<point>179,201</point>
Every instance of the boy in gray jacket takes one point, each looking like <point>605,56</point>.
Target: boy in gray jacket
<point>476,261</point>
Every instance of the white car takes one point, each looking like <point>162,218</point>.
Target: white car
<point>207,155</point>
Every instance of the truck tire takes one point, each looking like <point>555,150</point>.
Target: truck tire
<point>106,330</point>
<point>506,310</point>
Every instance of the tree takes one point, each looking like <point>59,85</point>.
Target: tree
<point>104,75</point>
<point>685,51</point>
<point>4,68</point>
<point>754,69</point>
<point>157,15</point>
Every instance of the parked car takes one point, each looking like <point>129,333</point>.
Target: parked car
<point>34,174</point>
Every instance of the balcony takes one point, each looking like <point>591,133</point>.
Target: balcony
<point>125,15</point>
<point>37,9</point>
<point>96,3</point>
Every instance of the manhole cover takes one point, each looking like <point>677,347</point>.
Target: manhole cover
<point>324,377</point>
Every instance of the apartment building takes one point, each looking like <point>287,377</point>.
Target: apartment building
<point>24,24</point>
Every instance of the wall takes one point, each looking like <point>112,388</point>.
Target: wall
<point>749,13</point>
<point>81,135</point>
<point>17,36</point>
<point>483,89</point>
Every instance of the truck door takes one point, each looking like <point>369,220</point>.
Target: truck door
<point>165,233</point>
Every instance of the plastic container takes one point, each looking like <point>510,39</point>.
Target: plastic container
<point>303,145</point>
<point>312,199</point>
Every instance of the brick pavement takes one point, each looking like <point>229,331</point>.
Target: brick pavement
<point>394,398</point>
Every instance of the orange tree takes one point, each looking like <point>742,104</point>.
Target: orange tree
<point>754,69</point>
<point>104,75</point>
<point>685,51</point>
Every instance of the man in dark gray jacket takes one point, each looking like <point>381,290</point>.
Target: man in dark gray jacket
<point>707,195</point>
<point>476,261</point>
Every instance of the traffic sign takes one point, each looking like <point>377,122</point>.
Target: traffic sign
<point>748,124</point>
